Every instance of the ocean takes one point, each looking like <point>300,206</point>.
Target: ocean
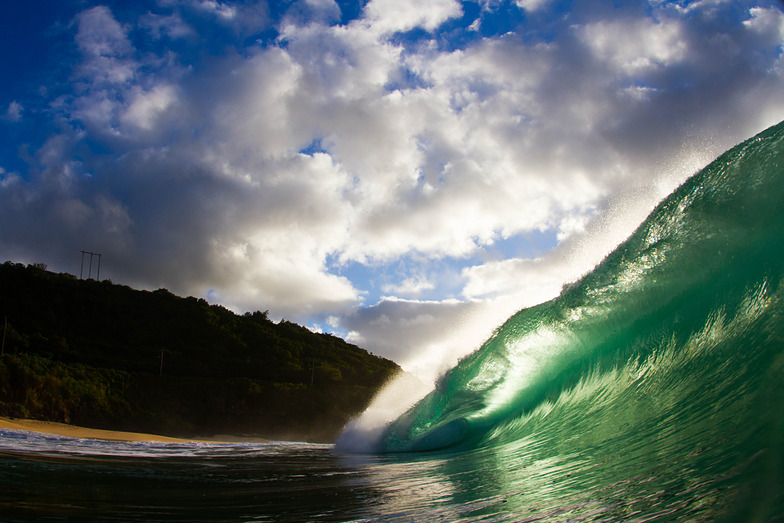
<point>650,390</point>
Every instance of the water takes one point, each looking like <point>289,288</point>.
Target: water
<point>651,390</point>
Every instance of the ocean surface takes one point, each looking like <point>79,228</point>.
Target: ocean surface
<point>650,390</point>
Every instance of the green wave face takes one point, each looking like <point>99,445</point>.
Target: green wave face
<point>681,326</point>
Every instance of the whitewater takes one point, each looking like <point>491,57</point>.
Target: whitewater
<point>650,390</point>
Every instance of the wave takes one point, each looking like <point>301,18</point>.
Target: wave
<point>681,326</point>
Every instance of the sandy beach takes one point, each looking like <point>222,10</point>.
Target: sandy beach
<point>63,429</point>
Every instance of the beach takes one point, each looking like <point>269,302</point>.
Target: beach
<point>72,431</point>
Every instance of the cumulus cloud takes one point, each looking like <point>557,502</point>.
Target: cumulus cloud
<point>264,174</point>
<point>146,106</point>
<point>389,16</point>
<point>633,47</point>
<point>768,22</point>
<point>105,45</point>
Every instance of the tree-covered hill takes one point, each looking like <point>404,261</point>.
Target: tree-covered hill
<point>108,356</point>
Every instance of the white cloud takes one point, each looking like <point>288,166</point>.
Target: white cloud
<point>411,287</point>
<point>633,47</point>
<point>768,23</point>
<point>295,282</point>
<point>146,106</point>
<point>531,5</point>
<point>390,16</point>
<point>222,10</point>
<point>286,227</point>
<point>542,279</point>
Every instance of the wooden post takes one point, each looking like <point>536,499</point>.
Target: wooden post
<point>160,373</point>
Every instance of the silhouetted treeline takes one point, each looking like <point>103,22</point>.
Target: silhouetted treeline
<point>108,356</point>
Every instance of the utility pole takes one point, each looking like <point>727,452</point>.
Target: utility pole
<point>160,372</point>
<point>90,266</point>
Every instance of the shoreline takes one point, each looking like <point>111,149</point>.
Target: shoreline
<point>73,431</point>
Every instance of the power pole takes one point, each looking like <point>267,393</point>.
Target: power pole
<point>90,266</point>
<point>160,372</point>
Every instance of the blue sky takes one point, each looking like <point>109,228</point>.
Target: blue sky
<point>404,174</point>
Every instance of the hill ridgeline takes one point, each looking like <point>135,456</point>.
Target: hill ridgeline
<point>107,356</point>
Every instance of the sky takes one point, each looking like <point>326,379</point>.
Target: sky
<point>403,174</point>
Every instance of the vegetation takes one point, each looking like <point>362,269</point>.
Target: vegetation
<point>107,356</point>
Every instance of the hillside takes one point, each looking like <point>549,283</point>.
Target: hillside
<point>108,356</point>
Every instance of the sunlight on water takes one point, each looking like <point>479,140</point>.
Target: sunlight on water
<point>525,361</point>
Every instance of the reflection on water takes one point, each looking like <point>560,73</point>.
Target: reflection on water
<point>42,477</point>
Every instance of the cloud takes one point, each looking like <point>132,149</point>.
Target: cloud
<point>531,5</point>
<point>145,107</point>
<point>14,111</point>
<point>170,26</point>
<point>106,47</point>
<point>425,336</point>
<point>768,23</point>
<point>390,16</point>
<point>633,47</point>
<point>413,287</point>
<point>222,10</point>
<point>304,12</point>
<point>99,34</point>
